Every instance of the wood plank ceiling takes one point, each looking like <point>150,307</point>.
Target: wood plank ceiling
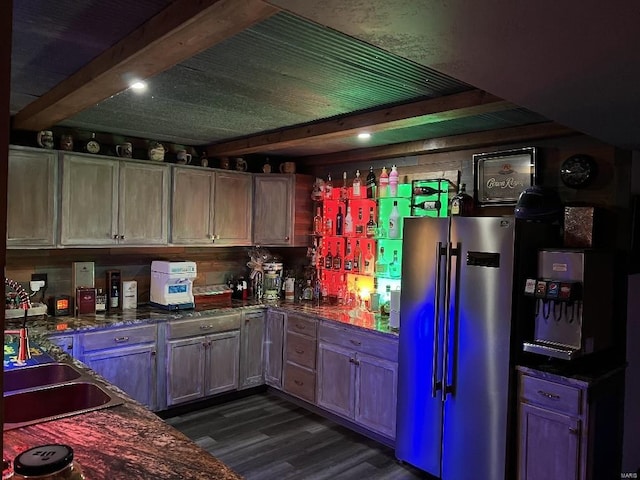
<point>244,78</point>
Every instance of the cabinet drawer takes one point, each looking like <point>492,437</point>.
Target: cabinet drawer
<point>369,343</point>
<point>301,325</point>
<point>555,396</point>
<point>301,350</point>
<point>118,337</point>
<point>300,382</point>
<point>203,326</point>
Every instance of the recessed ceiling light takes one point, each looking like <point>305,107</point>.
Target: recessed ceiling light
<point>138,86</point>
<point>364,136</point>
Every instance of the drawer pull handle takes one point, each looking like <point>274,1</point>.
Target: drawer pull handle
<point>121,339</point>
<point>298,382</point>
<point>301,327</point>
<point>299,351</point>
<point>550,396</point>
<point>205,327</point>
<point>356,343</point>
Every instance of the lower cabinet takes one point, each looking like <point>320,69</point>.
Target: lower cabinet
<point>568,428</point>
<point>251,347</point>
<point>358,376</point>
<point>126,357</point>
<point>200,365</point>
<point>65,342</point>
<point>273,348</point>
<point>299,369</point>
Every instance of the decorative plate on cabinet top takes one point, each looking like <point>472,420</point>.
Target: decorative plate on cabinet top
<point>578,171</point>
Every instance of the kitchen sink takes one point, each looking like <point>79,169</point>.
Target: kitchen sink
<point>51,391</point>
<point>39,376</point>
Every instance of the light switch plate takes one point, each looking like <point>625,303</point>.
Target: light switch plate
<point>84,275</point>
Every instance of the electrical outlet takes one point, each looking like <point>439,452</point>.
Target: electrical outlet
<point>35,277</point>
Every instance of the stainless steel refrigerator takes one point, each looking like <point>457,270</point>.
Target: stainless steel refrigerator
<point>457,343</point>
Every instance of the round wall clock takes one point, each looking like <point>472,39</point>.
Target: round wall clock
<point>578,171</point>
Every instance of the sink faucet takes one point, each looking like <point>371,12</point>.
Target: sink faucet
<point>24,352</point>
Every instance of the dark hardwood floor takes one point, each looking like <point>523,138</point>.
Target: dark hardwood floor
<point>264,437</point>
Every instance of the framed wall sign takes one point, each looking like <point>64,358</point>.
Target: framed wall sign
<point>502,176</point>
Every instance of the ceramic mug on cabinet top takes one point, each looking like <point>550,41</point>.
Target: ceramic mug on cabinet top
<point>45,139</point>
<point>287,167</point>
<point>183,157</point>
<point>156,151</point>
<point>66,142</point>
<point>124,150</point>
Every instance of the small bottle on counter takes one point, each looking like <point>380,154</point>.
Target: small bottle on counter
<point>101,301</point>
<point>50,462</point>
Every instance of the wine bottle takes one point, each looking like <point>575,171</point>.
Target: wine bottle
<point>317,222</point>
<point>328,188</point>
<point>371,183</point>
<point>357,258</point>
<point>428,205</point>
<point>359,223</point>
<point>462,203</point>
<point>348,258</point>
<point>328,260</point>
<point>339,221</point>
<point>426,190</point>
<point>384,183</point>
<point>394,221</point>
<point>348,222</point>
<point>337,259</point>
<point>356,185</point>
<point>371,225</point>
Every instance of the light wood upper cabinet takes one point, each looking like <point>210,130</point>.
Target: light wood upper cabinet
<point>232,208</point>
<point>32,198</point>
<point>144,204</point>
<point>211,208</point>
<point>113,202</point>
<point>89,213</point>
<point>282,210</point>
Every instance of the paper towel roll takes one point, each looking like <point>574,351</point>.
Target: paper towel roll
<point>394,303</point>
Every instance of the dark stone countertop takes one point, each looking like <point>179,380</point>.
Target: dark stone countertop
<point>129,441</point>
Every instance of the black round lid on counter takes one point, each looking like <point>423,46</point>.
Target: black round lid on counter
<point>43,460</point>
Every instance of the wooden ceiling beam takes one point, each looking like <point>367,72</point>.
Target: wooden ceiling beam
<point>439,109</point>
<point>177,33</point>
<point>443,144</point>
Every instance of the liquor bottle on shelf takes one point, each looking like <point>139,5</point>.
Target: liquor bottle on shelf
<point>344,190</point>
<point>371,225</point>
<point>348,222</point>
<point>381,266</point>
<point>394,266</point>
<point>307,292</point>
<point>328,188</point>
<point>357,258</point>
<point>348,258</point>
<point>328,226</point>
<point>384,183</point>
<point>426,190</point>
<point>357,184</point>
<point>462,203</point>
<point>369,261</point>
<point>371,183</point>
<point>359,223</point>
<point>428,205</point>
<point>339,221</point>
<point>393,182</point>
<point>394,221</point>
<point>321,256</point>
<point>317,222</point>
<point>328,259</point>
<point>337,259</point>
<point>341,293</point>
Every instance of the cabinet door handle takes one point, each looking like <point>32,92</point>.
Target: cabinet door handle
<point>205,344</point>
<point>299,351</point>
<point>115,236</point>
<point>356,343</point>
<point>153,353</point>
<point>121,339</point>
<point>352,360</point>
<point>550,396</point>
<point>301,327</point>
<point>121,237</point>
<point>286,239</point>
<point>573,431</point>
<point>205,327</point>
<point>70,346</point>
<point>298,382</point>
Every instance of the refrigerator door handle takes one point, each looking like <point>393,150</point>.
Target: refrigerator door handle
<point>448,387</point>
<point>435,383</point>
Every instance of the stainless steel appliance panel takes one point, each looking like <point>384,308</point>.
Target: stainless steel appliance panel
<point>419,420</point>
<point>478,345</point>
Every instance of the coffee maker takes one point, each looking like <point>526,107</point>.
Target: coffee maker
<point>272,280</point>
<point>574,296</point>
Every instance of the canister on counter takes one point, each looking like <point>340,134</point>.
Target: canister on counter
<point>50,462</point>
<point>129,295</point>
